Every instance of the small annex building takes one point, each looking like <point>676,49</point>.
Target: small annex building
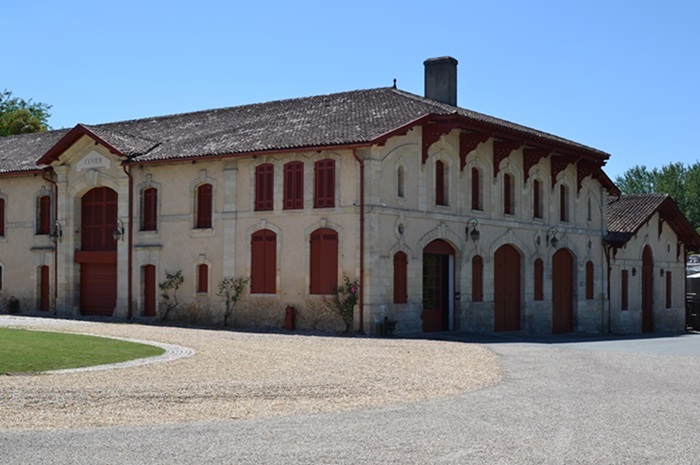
<point>449,219</point>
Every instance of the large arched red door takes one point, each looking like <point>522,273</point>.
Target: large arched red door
<point>98,252</point>
<point>562,292</point>
<point>438,284</point>
<point>647,290</point>
<point>506,289</point>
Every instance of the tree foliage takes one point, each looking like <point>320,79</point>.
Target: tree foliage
<point>19,116</point>
<point>681,182</point>
<point>232,289</point>
<point>168,291</point>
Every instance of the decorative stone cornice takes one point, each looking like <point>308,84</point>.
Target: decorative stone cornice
<point>468,142</point>
<point>501,151</point>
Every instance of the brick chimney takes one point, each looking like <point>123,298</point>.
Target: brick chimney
<point>441,79</point>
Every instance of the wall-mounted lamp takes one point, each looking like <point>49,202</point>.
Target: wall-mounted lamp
<point>474,234</point>
<point>662,272</point>
<point>551,237</point>
<point>56,233</point>
<point>634,271</point>
<point>119,231</point>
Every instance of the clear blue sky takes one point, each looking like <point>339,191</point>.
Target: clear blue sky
<point>620,76</point>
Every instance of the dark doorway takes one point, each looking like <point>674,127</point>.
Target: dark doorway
<point>438,286</point>
<point>506,289</point>
<point>562,292</point>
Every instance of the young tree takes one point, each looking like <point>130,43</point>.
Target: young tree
<point>19,116</point>
<point>168,291</point>
<point>231,289</point>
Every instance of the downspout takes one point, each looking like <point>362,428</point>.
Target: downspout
<point>130,236</point>
<point>362,238</point>
<point>55,244</point>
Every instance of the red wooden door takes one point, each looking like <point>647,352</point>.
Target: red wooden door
<point>44,286</point>
<point>263,262</point>
<point>149,290</point>
<point>98,256</point>
<point>506,289</point>
<point>562,292</point>
<point>647,290</point>
<point>436,286</point>
<point>324,261</point>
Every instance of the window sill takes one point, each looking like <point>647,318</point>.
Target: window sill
<point>203,232</point>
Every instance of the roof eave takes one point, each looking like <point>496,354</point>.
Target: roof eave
<point>71,138</point>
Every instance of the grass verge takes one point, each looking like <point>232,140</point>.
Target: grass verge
<point>24,351</point>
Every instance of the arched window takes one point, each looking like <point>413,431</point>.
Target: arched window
<point>204,207</point>
<point>400,181</point>
<point>537,199</point>
<point>202,278</point>
<point>563,203</point>
<point>294,185</point>
<point>149,209</point>
<point>589,209</point>
<point>400,278</point>
<point>589,280</point>
<point>508,203</point>
<point>477,203</point>
<point>263,262</point>
<point>98,219</point>
<point>324,186</point>
<point>264,187</point>
<point>43,225</point>
<point>440,183</point>
<point>477,279</point>
<point>324,261</point>
<point>539,279</point>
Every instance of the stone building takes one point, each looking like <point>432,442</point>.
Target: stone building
<point>448,218</point>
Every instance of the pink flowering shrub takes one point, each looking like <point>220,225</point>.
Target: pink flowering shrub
<point>344,300</point>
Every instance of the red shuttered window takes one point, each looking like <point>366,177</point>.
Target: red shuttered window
<point>202,278</point>
<point>44,215</point>
<point>324,188</point>
<point>2,217</point>
<point>204,207</point>
<point>476,189</point>
<point>507,194</point>
<point>624,290</point>
<point>324,261</point>
<point>539,279</point>
<point>669,290</point>
<point>294,185</point>
<point>537,199</point>
<point>477,279</point>
<point>400,278</point>
<point>149,209</point>
<point>264,187</point>
<point>263,262</point>
<point>98,220</point>
<point>440,197</point>
<point>589,281</point>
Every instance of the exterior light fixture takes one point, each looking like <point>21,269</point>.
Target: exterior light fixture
<point>56,233</point>
<point>474,234</point>
<point>118,233</point>
<point>551,237</point>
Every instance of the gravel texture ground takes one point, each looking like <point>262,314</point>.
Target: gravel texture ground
<point>236,375</point>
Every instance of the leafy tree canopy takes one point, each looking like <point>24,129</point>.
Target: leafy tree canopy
<point>681,182</point>
<point>19,116</point>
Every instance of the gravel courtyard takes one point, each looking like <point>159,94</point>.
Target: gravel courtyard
<point>237,375</point>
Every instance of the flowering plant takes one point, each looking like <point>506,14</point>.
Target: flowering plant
<point>344,299</point>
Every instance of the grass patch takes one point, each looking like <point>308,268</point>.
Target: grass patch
<point>23,351</point>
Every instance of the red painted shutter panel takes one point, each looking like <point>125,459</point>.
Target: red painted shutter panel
<point>477,279</point>
<point>203,278</point>
<point>324,261</point>
<point>439,183</point>
<point>589,280</point>
<point>149,290</point>
<point>264,187</point>
<point>536,199</point>
<point>475,189</point>
<point>324,195</point>
<point>624,290</point>
<point>150,209</point>
<point>539,279</point>
<point>507,195</point>
<point>669,290</point>
<point>263,262</point>
<point>2,217</point>
<point>44,215</point>
<point>400,278</point>
<point>204,206</point>
<point>562,203</point>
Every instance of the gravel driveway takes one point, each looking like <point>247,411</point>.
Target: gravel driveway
<point>235,375</point>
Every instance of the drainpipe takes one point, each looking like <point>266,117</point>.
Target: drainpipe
<point>130,236</point>
<point>46,172</point>
<point>362,237</point>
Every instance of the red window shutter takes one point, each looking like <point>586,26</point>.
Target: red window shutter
<point>324,261</point>
<point>149,290</point>
<point>400,278</point>
<point>294,185</point>
<point>324,191</point>
<point>263,262</point>
<point>589,280</point>
<point>44,215</point>
<point>476,190</point>
<point>624,288</point>
<point>2,217</point>
<point>149,206</point>
<point>539,279</point>
<point>507,194</point>
<point>669,290</point>
<point>204,206</point>
<point>536,193</point>
<point>264,187</point>
<point>98,219</point>
<point>439,183</point>
<point>202,278</point>
<point>44,285</point>
<point>563,216</point>
<point>477,279</point>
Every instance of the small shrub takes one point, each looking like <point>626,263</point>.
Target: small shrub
<point>12,304</point>
<point>168,291</point>
<point>345,299</point>
<point>231,289</point>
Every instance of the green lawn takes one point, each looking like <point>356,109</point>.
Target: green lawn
<point>23,351</point>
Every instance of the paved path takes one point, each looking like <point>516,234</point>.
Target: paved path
<point>633,401</point>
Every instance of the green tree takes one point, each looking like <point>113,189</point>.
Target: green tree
<point>19,116</point>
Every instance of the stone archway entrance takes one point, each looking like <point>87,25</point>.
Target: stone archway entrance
<point>562,292</point>
<point>438,286</point>
<point>506,289</point>
<point>647,290</point>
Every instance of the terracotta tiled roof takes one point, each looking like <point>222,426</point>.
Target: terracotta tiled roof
<point>347,118</point>
<point>628,213</point>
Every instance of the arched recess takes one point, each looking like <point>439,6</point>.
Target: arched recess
<point>438,286</point>
<point>507,285</point>
<point>647,290</point>
<point>563,291</point>
<point>98,252</point>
